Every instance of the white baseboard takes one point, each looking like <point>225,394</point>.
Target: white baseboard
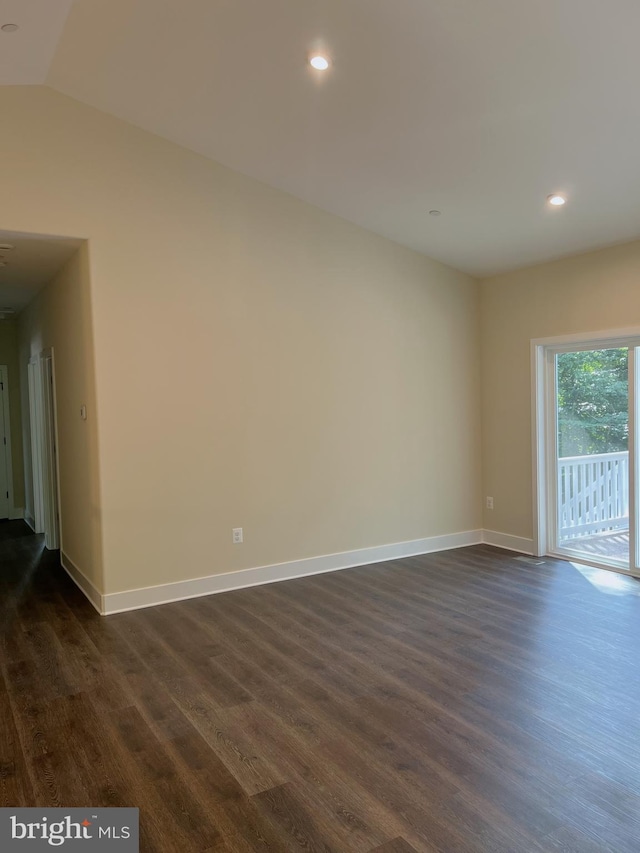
<point>83,583</point>
<point>16,513</point>
<point>30,521</point>
<point>134,599</point>
<point>505,540</point>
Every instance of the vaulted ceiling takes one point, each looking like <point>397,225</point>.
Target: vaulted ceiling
<point>476,108</point>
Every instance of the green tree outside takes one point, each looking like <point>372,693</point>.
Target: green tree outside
<point>593,401</point>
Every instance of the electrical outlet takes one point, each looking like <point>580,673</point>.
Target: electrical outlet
<point>489,503</point>
<point>237,536</point>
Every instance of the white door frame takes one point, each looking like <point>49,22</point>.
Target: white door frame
<point>4,390</point>
<point>544,451</point>
<point>44,443</point>
<point>35,418</point>
<point>50,439</point>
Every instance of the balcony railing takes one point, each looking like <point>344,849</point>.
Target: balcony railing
<point>593,494</point>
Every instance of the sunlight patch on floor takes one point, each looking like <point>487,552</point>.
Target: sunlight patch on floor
<point>611,583</point>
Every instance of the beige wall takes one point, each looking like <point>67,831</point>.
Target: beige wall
<point>9,356</point>
<point>60,318</point>
<point>592,292</point>
<point>259,363</point>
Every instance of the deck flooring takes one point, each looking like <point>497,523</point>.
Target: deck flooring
<point>611,546</point>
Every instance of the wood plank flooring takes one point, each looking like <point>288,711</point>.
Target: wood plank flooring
<point>459,702</point>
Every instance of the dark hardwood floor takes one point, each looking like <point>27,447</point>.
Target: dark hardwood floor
<point>460,702</point>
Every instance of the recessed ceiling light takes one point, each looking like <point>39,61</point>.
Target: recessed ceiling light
<point>435,213</point>
<point>9,28</point>
<point>319,62</point>
<point>6,247</point>
<point>556,200</point>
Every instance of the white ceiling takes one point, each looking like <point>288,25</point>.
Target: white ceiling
<point>25,55</point>
<point>33,262</point>
<point>479,108</point>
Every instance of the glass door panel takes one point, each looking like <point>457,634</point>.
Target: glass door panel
<point>592,417</point>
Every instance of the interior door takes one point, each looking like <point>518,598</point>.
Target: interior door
<point>35,419</point>
<point>4,447</point>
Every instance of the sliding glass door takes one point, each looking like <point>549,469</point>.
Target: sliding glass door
<point>586,448</point>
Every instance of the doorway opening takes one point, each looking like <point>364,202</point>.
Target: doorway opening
<point>6,468</point>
